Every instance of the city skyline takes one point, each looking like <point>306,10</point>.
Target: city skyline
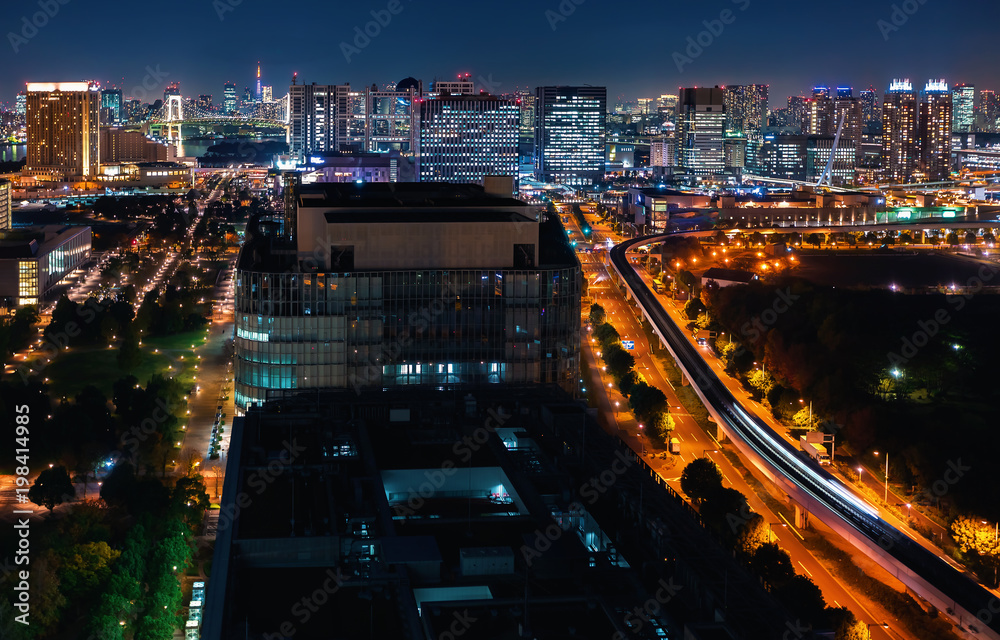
<point>695,46</point>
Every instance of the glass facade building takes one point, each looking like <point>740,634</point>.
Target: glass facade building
<point>701,123</point>
<point>387,329</point>
<point>466,138</point>
<point>570,134</point>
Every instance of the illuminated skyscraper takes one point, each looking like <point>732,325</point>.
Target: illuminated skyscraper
<point>229,98</point>
<point>746,109</point>
<point>797,112</point>
<point>111,107</point>
<point>988,116</point>
<point>850,109</point>
<point>900,140</point>
<point>701,120</point>
<point>870,112</point>
<point>964,103</point>
<point>205,102</point>
<point>319,118</point>
<point>21,106</point>
<point>267,93</point>
<point>818,116</point>
<point>936,121</point>
<point>466,138</point>
<point>570,134</point>
<point>63,130</point>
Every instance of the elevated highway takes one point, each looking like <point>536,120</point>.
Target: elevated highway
<point>972,607</point>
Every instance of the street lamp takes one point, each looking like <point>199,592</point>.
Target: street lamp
<point>705,452</point>
<point>884,625</point>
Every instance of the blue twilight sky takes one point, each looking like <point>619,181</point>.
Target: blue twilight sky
<point>627,46</point>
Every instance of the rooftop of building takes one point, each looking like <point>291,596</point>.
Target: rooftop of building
<point>411,195</point>
<point>407,567</point>
<point>30,242</point>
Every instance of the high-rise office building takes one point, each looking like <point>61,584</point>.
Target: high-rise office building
<point>746,109</point>
<point>818,116</point>
<point>21,104</point>
<point>229,98</point>
<point>387,118</point>
<point>850,110</point>
<point>205,102</point>
<point>393,284</point>
<point>661,153</point>
<point>319,118</point>
<point>870,112</point>
<point>267,93</point>
<point>988,115</point>
<point>465,138</point>
<point>936,122</point>
<point>63,130</point>
<point>666,105</point>
<point>111,107</point>
<point>964,103</point>
<point>462,87</point>
<point>570,134</point>
<point>900,137</point>
<point>645,106</point>
<point>701,121</point>
<point>797,112</point>
<point>527,99</point>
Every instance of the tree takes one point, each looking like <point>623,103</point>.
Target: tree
<point>619,361</point>
<point>694,308</point>
<point>663,425</point>
<point>190,500</point>
<point>801,595</point>
<point>597,315</point>
<point>952,239</point>
<point>722,509</point>
<point>129,354</point>
<point>815,239</point>
<point>772,564</point>
<point>607,335</point>
<point>85,567</point>
<point>628,382</point>
<point>761,380</point>
<point>805,419</point>
<point>972,535</point>
<point>704,320</point>
<point>752,534</point>
<point>970,237</point>
<point>646,401</point>
<point>846,625</point>
<point>700,478</point>
<point>52,487</point>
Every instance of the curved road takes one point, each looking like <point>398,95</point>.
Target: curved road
<point>970,605</point>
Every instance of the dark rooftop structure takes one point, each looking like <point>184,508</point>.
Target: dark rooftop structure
<point>421,514</point>
<point>412,195</point>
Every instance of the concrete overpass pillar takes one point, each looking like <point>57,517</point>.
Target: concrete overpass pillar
<point>801,516</point>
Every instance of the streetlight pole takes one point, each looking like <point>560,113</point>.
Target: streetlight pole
<point>884,625</point>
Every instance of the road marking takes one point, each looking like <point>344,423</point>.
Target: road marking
<point>680,437</point>
<point>791,527</point>
<point>804,569</point>
<point>681,456</point>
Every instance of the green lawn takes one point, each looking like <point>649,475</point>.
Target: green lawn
<point>178,342</point>
<point>71,372</point>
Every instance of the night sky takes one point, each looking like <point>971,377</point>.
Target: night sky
<point>505,44</point>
